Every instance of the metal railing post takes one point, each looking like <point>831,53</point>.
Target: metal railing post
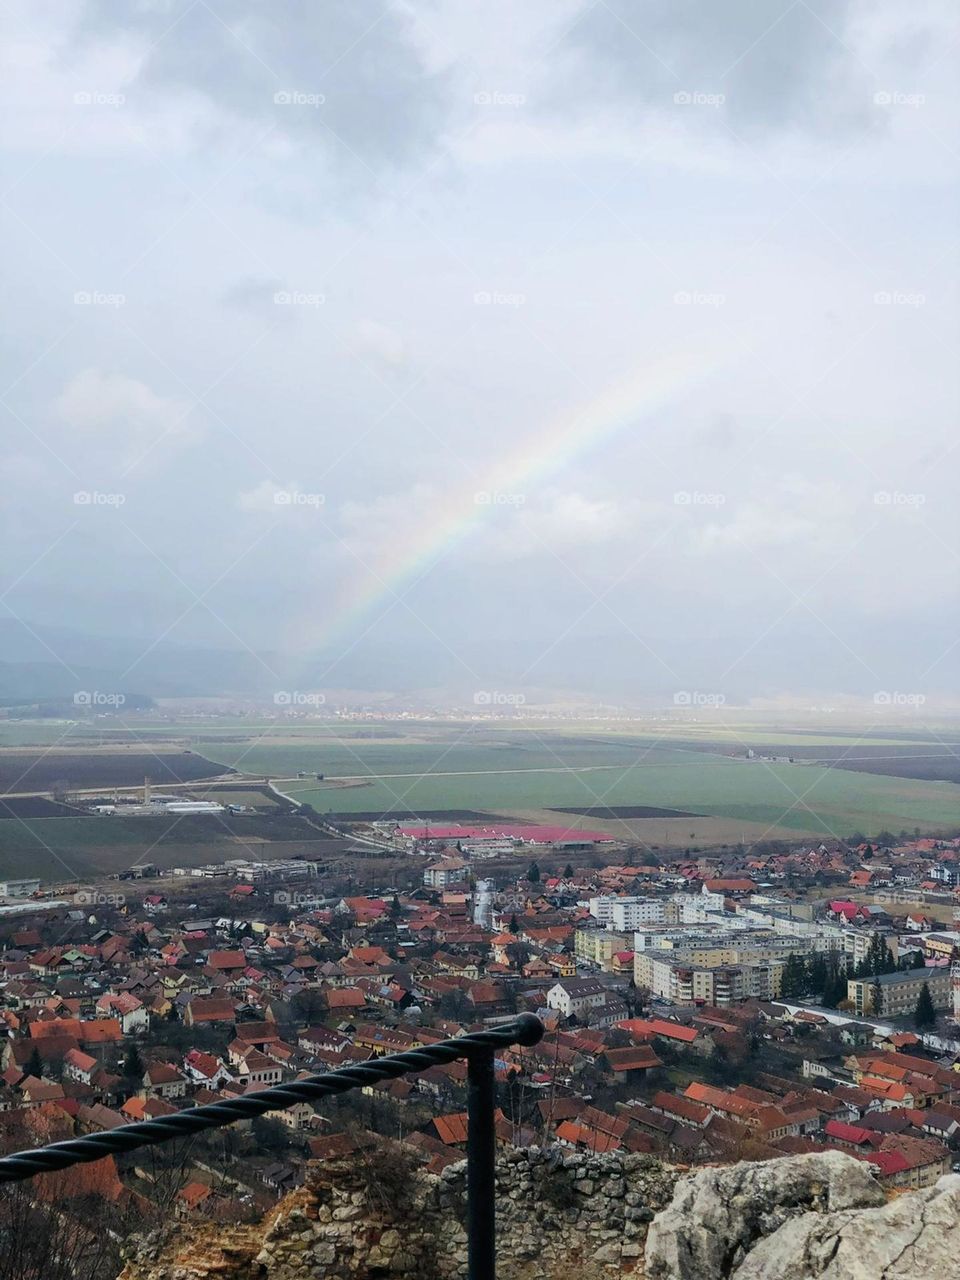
<point>481,1167</point>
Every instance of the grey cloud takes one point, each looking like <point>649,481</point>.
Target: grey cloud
<point>787,65</point>
<point>343,79</point>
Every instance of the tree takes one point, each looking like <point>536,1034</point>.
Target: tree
<point>133,1067</point>
<point>794,980</point>
<point>924,1015</point>
<point>514,924</point>
<point>918,961</point>
<point>533,873</point>
<point>396,911</point>
<point>568,872</point>
<point>34,1065</point>
<point>876,998</point>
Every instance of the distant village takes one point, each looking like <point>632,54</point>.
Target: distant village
<point>709,1009</point>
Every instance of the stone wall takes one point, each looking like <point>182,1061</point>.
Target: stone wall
<point>557,1215</point>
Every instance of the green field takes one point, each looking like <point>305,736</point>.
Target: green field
<point>523,769</point>
<point>517,771</point>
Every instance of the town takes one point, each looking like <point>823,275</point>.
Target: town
<point>706,1009</point>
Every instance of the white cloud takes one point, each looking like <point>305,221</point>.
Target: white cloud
<point>112,414</point>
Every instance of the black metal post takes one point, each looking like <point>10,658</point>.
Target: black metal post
<point>481,1167</point>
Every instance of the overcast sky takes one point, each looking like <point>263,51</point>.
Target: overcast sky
<point>288,285</point>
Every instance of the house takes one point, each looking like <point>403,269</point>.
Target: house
<point>631,1063</point>
<point>208,1009</point>
<point>575,997</point>
<point>300,1115</point>
<point>125,1007</point>
<point>79,1066</point>
<point>257,1070</point>
<point>161,1080</point>
<point>442,874</point>
<point>206,1069</point>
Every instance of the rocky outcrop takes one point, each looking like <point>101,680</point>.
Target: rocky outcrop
<point>815,1217</point>
<point>718,1214</point>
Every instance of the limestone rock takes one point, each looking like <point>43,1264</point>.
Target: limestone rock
<point>718,1214</point>
<point>914,1237</point>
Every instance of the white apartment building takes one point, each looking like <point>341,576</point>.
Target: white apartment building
<point>627,913</point>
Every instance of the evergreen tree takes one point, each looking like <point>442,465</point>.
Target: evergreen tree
<point>876,999</point>
<point>918,960</point>
<point>794,977</point>
<point>817,975</point>
<point>514,924</point>
<point>395,909</point>
<point>568,872</point>
<point>34,1065</point>
<point>533,873</point>
<point>133,1067</point>
<point>924,1015</point>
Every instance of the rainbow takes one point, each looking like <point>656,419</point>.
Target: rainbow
<point>450,517</point>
